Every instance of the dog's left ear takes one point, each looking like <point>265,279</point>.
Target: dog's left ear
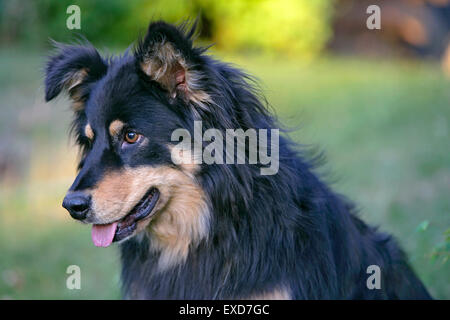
<point>72,68</point>
<point>166,55</point>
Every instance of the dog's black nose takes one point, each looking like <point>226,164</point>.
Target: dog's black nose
<point>77,204</point>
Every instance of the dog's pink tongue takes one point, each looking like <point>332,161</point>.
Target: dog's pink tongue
<point>103,234</point>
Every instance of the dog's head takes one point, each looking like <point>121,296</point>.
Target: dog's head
<point>126,109</point>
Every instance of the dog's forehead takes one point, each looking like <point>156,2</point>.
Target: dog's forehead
<point>122,95</point>
<point>112,95</point>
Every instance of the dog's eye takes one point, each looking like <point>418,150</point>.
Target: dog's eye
<point>131,137</point>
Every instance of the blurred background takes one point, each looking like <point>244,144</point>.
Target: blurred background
<point>376,101</point>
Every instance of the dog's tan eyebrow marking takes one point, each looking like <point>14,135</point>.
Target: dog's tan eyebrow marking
<point>115,127</point>
<point>89,132</point>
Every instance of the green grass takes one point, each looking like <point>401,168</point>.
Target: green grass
<point>384,127</point>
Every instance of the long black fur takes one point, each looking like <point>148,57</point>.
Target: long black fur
<point>287,230</point>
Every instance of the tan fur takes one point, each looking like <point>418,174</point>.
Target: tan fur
<point>115,127</point>
<point>182,218</point>
<point>163,64</point>
<point>76,78</point>
<point>77,105</point>
<point>71,84</point>
<point>89,132</point>
<point>277,294</point>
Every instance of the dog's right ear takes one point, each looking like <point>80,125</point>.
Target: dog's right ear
<point>71,69</point>
<point>166,55</point>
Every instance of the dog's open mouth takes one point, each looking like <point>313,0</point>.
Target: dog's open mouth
<point>104,234</point>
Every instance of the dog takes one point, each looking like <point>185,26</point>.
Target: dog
<point>192,230</point>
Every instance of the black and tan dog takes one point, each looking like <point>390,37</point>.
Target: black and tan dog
<point>206,231</point>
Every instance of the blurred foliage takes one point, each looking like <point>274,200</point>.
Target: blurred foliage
<point>290,26</point>
<point>300,27</point>
<point>441,250</point>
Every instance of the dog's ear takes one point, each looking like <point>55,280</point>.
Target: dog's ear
<point>166,55</point>
<point>71,68</point>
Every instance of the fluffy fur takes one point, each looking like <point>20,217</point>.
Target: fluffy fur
<point>286,236</point>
